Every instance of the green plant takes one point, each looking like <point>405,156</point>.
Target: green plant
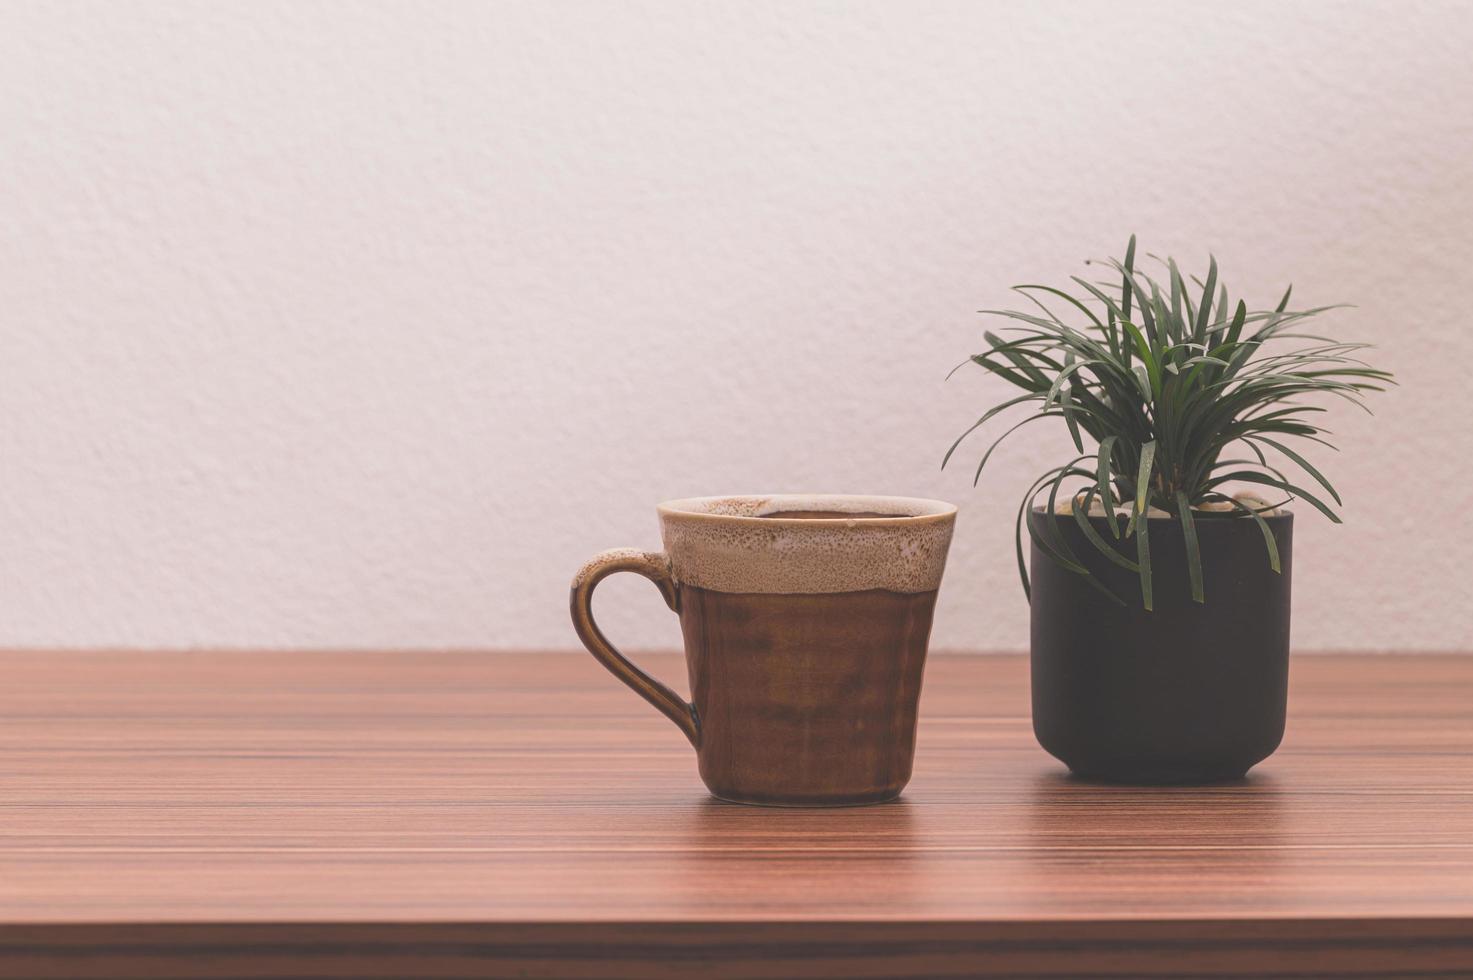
<point>1164,386</point>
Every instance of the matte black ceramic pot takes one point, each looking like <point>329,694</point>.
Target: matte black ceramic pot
<point>1188,693</point>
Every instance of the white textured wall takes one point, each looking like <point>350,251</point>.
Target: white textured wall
<point>362,324</point>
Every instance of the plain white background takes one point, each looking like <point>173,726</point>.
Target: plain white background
<point>363,324</point>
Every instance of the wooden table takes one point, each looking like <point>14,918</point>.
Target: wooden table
<point>318,814</point>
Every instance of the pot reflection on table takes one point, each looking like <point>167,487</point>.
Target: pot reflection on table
<point>1211,842</point>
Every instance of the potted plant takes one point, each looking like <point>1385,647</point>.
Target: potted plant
<point>1159,597</point>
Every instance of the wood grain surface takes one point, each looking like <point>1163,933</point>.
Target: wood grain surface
<point>361,814</point>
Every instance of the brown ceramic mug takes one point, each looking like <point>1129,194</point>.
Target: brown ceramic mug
<point>806,620</point>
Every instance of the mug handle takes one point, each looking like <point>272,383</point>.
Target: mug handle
<point>656,567</point>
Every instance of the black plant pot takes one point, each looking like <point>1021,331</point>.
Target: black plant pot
<point>1188,693</point>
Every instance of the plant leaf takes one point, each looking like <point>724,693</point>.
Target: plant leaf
<point>1194,553</point>
<point>1125,286</point>
<point>1143,477</point>
<point>1248,476</point>
<point>1102,481</point>
<point>994,410</point>
<point>990,449</point>
<point>1268,534</point>
<point>1081,517</point>
<point>1303,464</point>
<point>1199,332</point>
<point>1143,559</point>
<point>1140,522</point>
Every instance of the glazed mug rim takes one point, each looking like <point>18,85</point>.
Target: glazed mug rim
<point>767,508</point>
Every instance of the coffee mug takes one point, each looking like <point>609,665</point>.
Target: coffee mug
<point>805,620</point>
